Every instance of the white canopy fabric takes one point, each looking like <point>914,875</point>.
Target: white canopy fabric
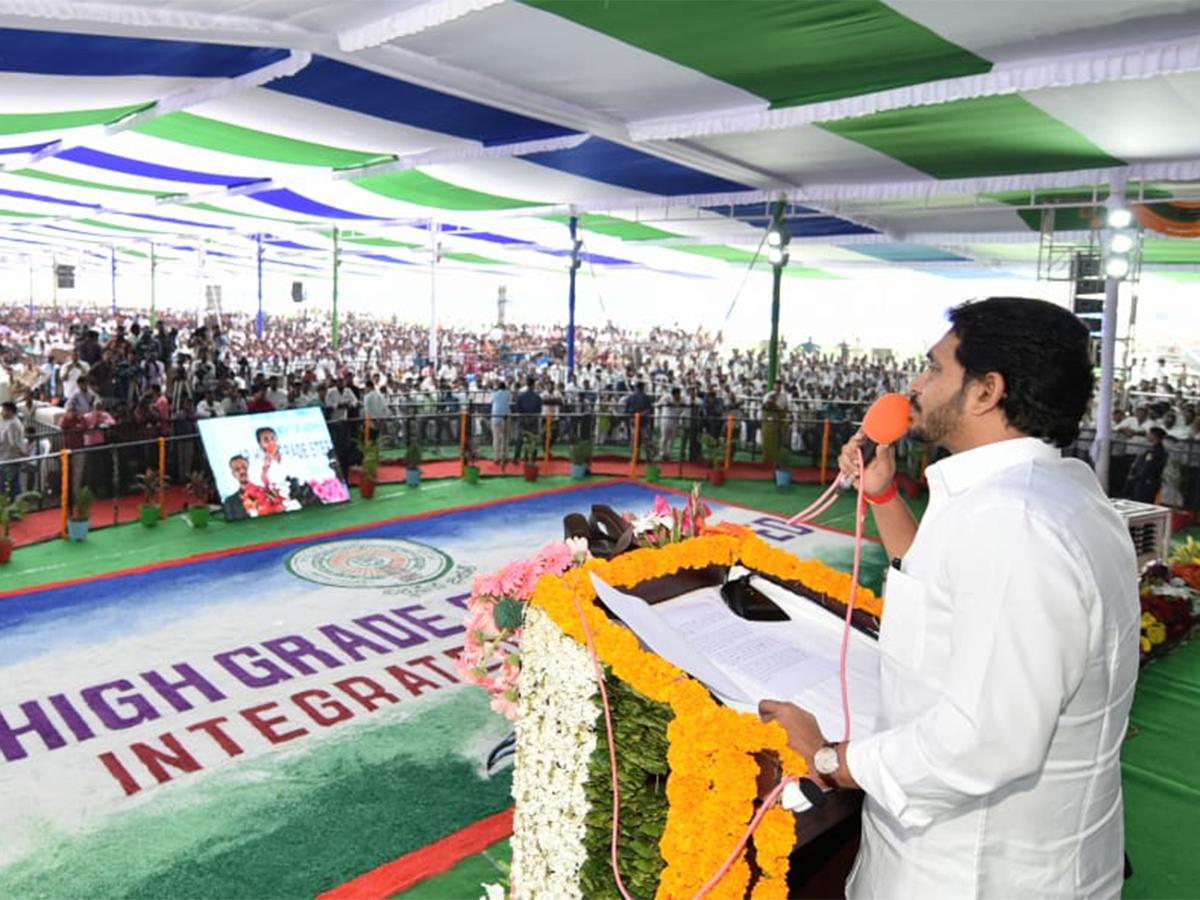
<point>955,137</point>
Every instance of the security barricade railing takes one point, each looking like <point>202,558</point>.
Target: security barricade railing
<point>113,461</point>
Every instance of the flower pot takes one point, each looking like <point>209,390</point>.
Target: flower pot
<point>6,549</point>
<point>653,473</point>
<point>198,516</point>
<point>579,471</point>
<point>77,529</point>
<point>148,514</point>
<point>471,474</point>
<point>783,477</point>
<point>366,488</point>
<point>412,477</point>
<point>716,477</point>
<point>1181,519</point>
<point>531,471</point>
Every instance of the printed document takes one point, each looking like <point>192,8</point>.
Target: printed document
<point>743,661</point>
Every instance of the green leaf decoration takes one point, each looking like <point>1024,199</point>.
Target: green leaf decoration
<point>509,614</point>
<point>640,727</point>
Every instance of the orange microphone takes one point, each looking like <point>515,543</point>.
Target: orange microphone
<point>885,423</point>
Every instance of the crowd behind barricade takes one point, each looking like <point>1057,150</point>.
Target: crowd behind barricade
<point>1155,453</point>
<point>85,379</point>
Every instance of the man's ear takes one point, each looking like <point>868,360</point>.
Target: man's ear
<point>986,393</point>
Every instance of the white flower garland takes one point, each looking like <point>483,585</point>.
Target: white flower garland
<point>556,736</point>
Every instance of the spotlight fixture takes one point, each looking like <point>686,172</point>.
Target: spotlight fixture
<point>1119,217</point>
<point>1121,242</point>
<point>777,242</point>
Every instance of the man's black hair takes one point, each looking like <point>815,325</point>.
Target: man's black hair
<point>1042,351</point>
<point>259,432</point>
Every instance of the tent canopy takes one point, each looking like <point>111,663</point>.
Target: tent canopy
<point>953,137</point>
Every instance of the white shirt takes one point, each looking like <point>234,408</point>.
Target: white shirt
<point>375,405</point>
<point>1009,654</point>
<point>12,438</point>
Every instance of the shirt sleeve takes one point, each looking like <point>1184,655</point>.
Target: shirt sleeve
<point>1017,632</point>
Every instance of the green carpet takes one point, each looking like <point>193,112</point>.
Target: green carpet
<point>1162,787</point>
<point>112,548</point>
<point>465,879</point>
<point>1162,784</point>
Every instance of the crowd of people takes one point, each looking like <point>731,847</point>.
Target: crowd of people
<point>119,377</point>
<point>159,379</point>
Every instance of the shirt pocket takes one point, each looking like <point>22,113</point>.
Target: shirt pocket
<point>902,628</point>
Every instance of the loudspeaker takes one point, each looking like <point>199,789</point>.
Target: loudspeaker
<point>1087,299</point>
<point>298,291</point>
<point>65,276</point>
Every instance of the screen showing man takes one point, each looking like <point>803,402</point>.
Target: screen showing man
<point>275,462</point>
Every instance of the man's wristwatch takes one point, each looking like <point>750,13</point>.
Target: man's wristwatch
<point>827,762</point>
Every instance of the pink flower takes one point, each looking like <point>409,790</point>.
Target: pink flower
<point>486,658</point>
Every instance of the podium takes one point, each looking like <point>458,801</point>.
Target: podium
<point>688,770</point>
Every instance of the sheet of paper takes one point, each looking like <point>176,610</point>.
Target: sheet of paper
<point>743,661</point>
<point>648,624</point>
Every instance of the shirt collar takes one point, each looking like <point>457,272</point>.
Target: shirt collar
<point>962,471</point>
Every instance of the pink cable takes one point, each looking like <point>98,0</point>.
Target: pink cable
<point>822,503</point>
<point>612,747</point>
<point>767,803</point>
<point>860,514</point>
<point>818,506</point>
<point>812,509</point>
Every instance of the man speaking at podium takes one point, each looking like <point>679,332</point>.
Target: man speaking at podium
<point>1009,638</point>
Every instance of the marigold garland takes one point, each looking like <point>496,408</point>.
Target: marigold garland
<point>713,780</point>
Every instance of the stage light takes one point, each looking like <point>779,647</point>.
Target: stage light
<point>1121,242</point>
<point>1116,266</point>
<point>778,239</point>
<point>1119,217</point>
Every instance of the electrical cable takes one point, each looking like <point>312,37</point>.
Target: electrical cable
<point>750,268</point>
<point>596,283</point>
<point>767,802</point>
<point>890,410</point>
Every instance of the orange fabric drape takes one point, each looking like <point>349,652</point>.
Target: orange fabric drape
<point>1155,216</point>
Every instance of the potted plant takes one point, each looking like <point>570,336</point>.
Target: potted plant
<point>581,455</point>
<point>150,484</point>
<point>79,516</point>
<point>370,469</point>
<point>200,487</point>
<point>713,449</point>
<point>783,466</point>
<point>653,469</point>
<point>529,456</point>
<point>412,463</point>
<point>11,510</point>
<point>470,471</point>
